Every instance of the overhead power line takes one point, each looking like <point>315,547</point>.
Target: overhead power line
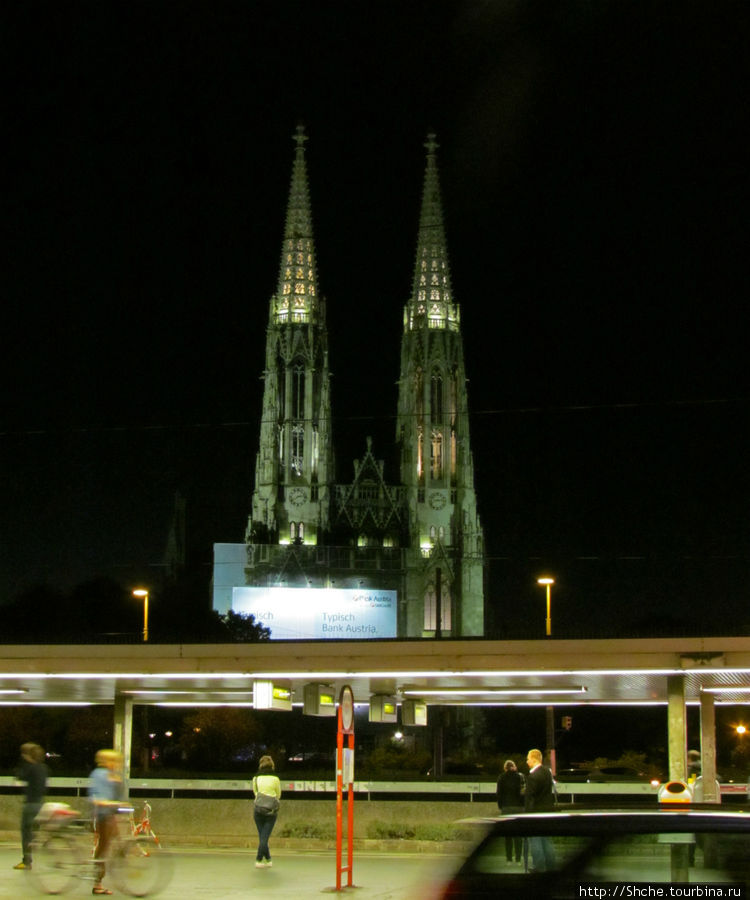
<point>389,417</point>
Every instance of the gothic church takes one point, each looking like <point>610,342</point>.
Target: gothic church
<point>420,537</point>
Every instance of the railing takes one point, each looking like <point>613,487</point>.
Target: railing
<point>429,790</point>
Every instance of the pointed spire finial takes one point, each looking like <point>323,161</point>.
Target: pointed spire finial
<point>296,298</point>
<point>300,137</point>
<point>431,304</point>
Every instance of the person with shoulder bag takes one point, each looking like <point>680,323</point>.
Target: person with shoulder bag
<point>267,790</point>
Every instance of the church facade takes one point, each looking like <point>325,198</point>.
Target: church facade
<point>417,535</point>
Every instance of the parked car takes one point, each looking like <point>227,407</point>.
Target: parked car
<point>595,847</point>
<point>600,774</point>
<point>577,774</point>
<point>458,768</point>
<point>616,773</point>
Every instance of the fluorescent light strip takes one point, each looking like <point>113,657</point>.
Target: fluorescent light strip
<point>201,703</point>
<point>161,693</point>
<point>493,673</point>
<point>483,692</point>
<point>727,689</point>
<point>51,703</point>
<point>14,691</point>
<point>542,703</point>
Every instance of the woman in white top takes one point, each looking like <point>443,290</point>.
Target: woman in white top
<point>265,785</point>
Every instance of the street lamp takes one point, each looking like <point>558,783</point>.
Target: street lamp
<point>547,582</point>
<point>142,592</point>
<point>550,712</point>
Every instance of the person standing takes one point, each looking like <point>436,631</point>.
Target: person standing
<point>267,789</point>
<point>105,790</point>
<point>694,765</point>
<point>510,787</point>
<point>540,797</point>
<point>33,772</point>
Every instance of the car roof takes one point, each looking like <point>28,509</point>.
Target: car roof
<point>596,821</point>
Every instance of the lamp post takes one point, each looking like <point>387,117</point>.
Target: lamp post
<point>547,582</point>
<point>143,593</point>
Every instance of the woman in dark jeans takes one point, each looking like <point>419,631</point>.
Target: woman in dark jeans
<point>510,788</point>
<point>268,784</point>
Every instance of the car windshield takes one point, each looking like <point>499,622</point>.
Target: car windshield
<point>685,857</point>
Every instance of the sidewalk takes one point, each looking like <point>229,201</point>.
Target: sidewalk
<point>231,874</point>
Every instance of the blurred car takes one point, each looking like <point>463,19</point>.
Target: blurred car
<point>616,773</point>
<point>567,776</point>
<point>457,768</point>
<point>600,774</point>
<point>311,765</point>
<point>592,848</point>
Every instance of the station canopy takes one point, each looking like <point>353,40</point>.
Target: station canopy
<point>449,672</point>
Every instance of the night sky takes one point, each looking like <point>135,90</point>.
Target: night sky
<point>593,160</point>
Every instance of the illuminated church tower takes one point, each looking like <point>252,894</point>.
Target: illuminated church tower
<point>445,589</point>
<point>408,541</point>
<point>294,467</point>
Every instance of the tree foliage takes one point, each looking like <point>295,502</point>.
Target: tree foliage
<point>220,739</point>
<point>244,628</point>
<point>104,610</point>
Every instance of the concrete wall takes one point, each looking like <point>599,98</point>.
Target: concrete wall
<point>230,822</point>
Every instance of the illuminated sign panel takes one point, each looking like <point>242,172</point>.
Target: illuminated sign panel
<point>267,695</point>
<point>414,712</point>
<point>314,613</point>
<point>320,700</point>
<point>383,709</point>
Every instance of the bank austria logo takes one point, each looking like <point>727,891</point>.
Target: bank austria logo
<point>374,600</point>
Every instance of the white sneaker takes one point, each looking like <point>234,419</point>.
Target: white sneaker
<point>268,863</point>
<point>260,864</point>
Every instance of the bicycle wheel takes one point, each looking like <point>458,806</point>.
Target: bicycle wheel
<point>140,867</point>
<point>55,864</point>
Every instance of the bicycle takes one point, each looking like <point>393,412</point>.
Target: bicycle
<point>144,826</point>
<point>63,854</point>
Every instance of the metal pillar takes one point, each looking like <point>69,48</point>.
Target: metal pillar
<point>123,735</point>
<point>708,748</point>
<point>550,738</point>
<point>676,728</point>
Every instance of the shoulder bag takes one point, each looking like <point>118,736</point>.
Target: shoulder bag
<point>266,804</point>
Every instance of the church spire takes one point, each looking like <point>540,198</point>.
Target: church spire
<point>432,430</point>
<point>431,303</point>
<point>296,299</point>
<point>294,468</point>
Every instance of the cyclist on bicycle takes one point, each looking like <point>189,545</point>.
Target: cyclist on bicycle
<point>105,790</point>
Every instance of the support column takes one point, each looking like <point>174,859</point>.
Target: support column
<point>708,749</point>
<point>676,728</point>
<point>123,735</point>
<point>550,730</point>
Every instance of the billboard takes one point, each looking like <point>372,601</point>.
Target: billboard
<point>314,613</point>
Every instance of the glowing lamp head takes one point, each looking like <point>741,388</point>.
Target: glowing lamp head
<point>545,580</point>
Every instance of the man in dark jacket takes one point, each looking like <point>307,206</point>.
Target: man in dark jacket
<point>510,789</point>
<point>33,772</point>
<point>540,797</point>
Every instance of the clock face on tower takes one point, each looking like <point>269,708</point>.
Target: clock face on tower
<point>437,500</point>
<point>297,496</point>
